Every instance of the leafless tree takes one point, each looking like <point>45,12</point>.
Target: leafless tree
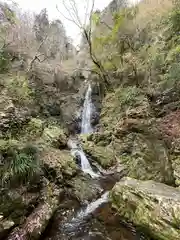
<point>86,28</point>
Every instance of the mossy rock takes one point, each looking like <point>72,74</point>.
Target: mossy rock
<point>99,138</point>
<point>153,207</point>
<point>14,203</point>
<point>5,145</point>
<point>55,136</point>
<point>83,189</point>
<point>32,130</point>
<point>129,102</point>
<point>105,156</point>
<point>58,164</point>
<point>145,157</point>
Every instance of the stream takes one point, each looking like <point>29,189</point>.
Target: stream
<point>95,220</point>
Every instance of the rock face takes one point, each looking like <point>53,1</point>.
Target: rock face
<point>84,189</point>
<point>143,152</point>
<point>152,206</point>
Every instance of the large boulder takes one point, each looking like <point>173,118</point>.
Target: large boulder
<point>14,206</point>
<point>55,136</point>
<point>84,189</point>
<point>104,155</point>
<point>152,206</point>
<point>139,146</point>
<point>58,164</point>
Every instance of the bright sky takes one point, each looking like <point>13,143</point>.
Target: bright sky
<point>71,29</point>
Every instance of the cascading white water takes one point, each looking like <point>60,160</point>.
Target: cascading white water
<point>85,165</point>
<point>85,128</point>
<point>86,114</point>
<point>83,214</point>
<point>94,205</point>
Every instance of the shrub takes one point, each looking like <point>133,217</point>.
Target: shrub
<point>19,165</point>
<point>175,20</point>
<point>19,89</point>
<point>172,77</point>
<point>4,60</point>
<point>128,96</point>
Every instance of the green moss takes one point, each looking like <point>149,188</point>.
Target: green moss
<point>19,164</point>
<point>55,136</point>
<point>32,130</point>
<point>58,163</point>
<point>120,103</point>
<point>149,207</point>
<point>19,89</point>
<point>105,156</point>
<point>145,158</point>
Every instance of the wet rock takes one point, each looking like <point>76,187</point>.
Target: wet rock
<point>96,145</point>
<point>15,203</point>
<point>84,189</point>
<point>152,206</point>
<point>105,156</point>
<point>5,226</point>
<point>58,164</point>
<point>99,138</point>
<point>36,223</point>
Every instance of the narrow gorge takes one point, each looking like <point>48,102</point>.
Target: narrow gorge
<point>90,134</point>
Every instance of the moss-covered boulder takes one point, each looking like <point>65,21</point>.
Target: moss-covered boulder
<point>58,164</point>
<point>84,189</point>
<point>105,156</point>
<point>152,206</point>
<point>37,221</point>
<point>99,138</point>
<point>55,136</point>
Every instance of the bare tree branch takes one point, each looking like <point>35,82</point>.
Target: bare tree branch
<point>86,31</point>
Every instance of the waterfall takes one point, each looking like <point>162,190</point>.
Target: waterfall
<point>94,205</point>
<point>76,150</point>
<point>74,223</point>
<point>85,165</point>
<point>86,114</point>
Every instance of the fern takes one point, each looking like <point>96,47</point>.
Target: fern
<point>20,165</point>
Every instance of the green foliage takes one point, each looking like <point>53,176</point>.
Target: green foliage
<point>175,20</point>
<point>172,77</point>
<point>19,89</point>
<point>19,165</point>
<point>4,60</point>
<point>128,96</point>
<point>95,18</point>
